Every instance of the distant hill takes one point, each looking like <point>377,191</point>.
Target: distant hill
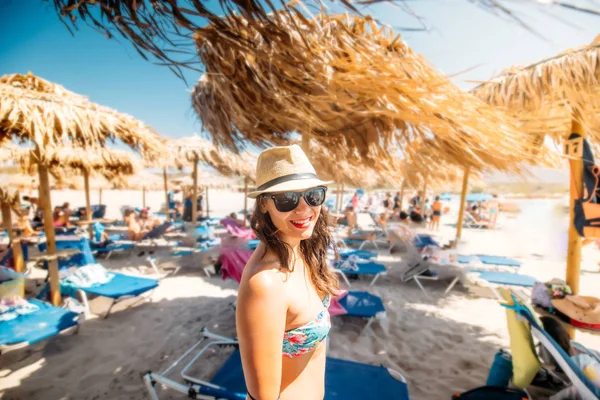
<point>540,181</point>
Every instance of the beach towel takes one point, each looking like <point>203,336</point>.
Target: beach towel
<point>587,205</point>
<point>236,230</point>
<point>86,276</point>
<point>233,262</point>
<point>335,308</point>
<point>11,308</point>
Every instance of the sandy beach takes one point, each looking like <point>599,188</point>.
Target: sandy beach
<point>442,344</point>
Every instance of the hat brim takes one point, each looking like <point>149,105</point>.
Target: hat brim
<point>295,185</point>
<point>572,311</point>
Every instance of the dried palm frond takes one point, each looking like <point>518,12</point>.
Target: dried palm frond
<point>161,28</point>
<point>45,113</point>
<point>546,96</point>
<point>347,82</point>
<point>11,198</point>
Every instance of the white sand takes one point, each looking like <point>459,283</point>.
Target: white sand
<point>442,344</point>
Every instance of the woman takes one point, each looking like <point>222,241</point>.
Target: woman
<point>587,360</point>
<point>282,318</point>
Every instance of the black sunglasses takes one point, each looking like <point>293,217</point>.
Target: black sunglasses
<point>288,201</point>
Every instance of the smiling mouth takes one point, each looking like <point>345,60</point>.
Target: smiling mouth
<point>302,223</point>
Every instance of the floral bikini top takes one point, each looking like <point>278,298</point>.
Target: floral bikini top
<point>306,338</point>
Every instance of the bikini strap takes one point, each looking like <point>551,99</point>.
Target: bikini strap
<point>326,300</point>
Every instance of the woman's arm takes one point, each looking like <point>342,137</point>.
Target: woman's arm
<point>260,321</point>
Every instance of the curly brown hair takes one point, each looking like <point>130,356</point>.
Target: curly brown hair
<point>313,250</point>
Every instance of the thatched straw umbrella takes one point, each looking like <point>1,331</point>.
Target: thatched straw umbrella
<point>160,28</point>
<point>193,150</point>
<point>558,97</point>
<point>48,116</point>
<point>359,89</point>
<point>110,163</point>
<point>11,201</point>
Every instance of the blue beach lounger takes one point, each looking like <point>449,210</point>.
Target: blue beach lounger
<point>39,325</point>
<point>344,380</point>
<point>120,287</point>
<point>363,268</point>
<point>490,260</point>
<point>25,329</point>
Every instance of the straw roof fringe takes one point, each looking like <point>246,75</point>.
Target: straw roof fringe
<point>68,160</point>
<point>161,28</point>
<point>359,87</point>
<point>547,95</point>
<point>194,149</point>
<point>48,115</point>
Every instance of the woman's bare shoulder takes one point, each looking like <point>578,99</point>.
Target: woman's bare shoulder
<point>262,274</point>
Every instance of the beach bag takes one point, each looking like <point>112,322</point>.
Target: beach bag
<point>586,207</point>
<point>501,370</point>
<point>491,393</point>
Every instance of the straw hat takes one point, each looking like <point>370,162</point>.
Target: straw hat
<point>582,309</point>
<point>284,168</point>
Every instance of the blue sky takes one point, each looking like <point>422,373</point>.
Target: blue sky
<point>111,73</point>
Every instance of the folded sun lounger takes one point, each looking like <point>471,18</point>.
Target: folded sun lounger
<point>344,380</point>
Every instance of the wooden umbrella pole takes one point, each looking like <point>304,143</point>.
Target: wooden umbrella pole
<point>402,187</point>
<point>337,197</point>
<point>574,244</point>
<point>461,210</point>
<point>16,242</point>
<point>100,196</point>
<point>44,193</point>
<point>86,186</point>
<point>342,198</point>
<point>425,188</point>
<point>144,197</point>
<point>166,193</point>
<point>207,204</point>
<point>245,201</point>
<point>195,193</point>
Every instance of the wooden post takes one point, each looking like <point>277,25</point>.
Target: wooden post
<point>342,205</point>
<point>86,187</point>
<point>306,144</point>
<point>15,241</point>
<point>402,187</point>
<point>44,193</point>
<point>461,209</point>
<point>337,197</point>
<point>245,201</point>
<point>166,193</point>
<point>195,193</point>
<point>100,196</point>
<point>425,189</point>
<point>144,197</point>
<point>207,204</point>
<point>576,188</point>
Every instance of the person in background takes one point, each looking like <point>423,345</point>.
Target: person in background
<point>61,219</point>
<point>427,210</point>
<point>387,202</point>
<point>493,208</point>
<point>147,221</point>
<point>33,204</point>
<point>355,200</point>
<point>416,202</point>
<point>66,209</point>
<point>134,230</point>
<point>436,215</point>
<point>586,359</point>
<point>397,201</point>
<point>187,207</point>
